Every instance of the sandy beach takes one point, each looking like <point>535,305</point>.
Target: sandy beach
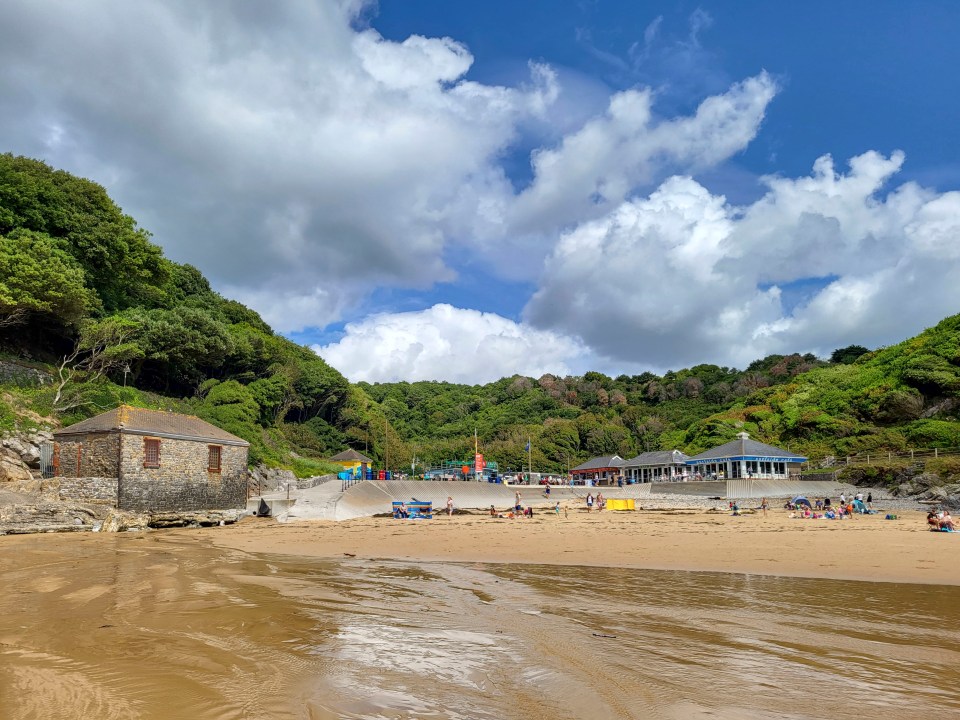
<point>864,548</point>
<point>470,616</point>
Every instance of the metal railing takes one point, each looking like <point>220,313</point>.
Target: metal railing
<point>833,462</point>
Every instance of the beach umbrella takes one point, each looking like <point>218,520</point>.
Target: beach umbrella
<point>801,500</point>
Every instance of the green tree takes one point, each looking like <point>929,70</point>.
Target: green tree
<point>38,277</point>
<point>848,354</point>
<point>119,262</point>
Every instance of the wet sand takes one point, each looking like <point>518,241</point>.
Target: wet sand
<point>585,616</point>
<point>864,548</point>
<point>169,625</point>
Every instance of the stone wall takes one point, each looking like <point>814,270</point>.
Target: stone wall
<point>89,489</point>
<point>12,373</point>
<point>823,476</point>
<point>97,455</point>
<point>311,482</point>
<point>182,481</point>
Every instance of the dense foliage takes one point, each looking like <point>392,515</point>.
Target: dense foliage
<point>85,292</point>
<point>74,269</point>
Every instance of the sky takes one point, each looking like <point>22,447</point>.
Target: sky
<point>463,191</point>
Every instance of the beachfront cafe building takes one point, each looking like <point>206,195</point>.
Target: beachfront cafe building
<point>745,458</point>
<point>603,470</point>
<point>657,466</point>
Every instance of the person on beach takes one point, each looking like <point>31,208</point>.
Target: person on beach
<point>517,504</point>
<point>932,520</point>
<point>449,506</point>
<point>589,502</point>
<point>600,502</point>
<point>493,511</point>
<point>763,506</point>
<point>818,504</point>
<point>843,499</point>
<point>946,522</point>
<point>546,491</point>
<point>556,509</point>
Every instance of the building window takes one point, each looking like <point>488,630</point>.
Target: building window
<point>151,453</point>
<point>213,459</point>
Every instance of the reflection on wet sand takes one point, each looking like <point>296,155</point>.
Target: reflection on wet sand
<point>162,625</point>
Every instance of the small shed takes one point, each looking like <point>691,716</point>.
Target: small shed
<point>150,460</point>
<point>353,462</point>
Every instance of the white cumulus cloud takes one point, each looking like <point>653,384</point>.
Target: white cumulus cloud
<point>681,276</point>
<point>451,344</point>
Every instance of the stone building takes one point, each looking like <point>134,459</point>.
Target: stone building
<point>149,460</point>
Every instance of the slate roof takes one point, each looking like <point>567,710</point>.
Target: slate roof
<point>351,455</point>
<point>743,446</point>
<point>657,458</point>
<point>599,463</point>
<point>140,421</point>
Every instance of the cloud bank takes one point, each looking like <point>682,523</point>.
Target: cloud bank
<point>302,161</point>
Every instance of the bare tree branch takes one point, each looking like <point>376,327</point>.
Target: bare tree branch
<point>16,316</point>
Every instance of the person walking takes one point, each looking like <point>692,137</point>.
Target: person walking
<point>449,506</point>
<point>763,506</point>
<point>589,502</point>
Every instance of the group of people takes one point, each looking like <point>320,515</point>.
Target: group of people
<point>514,512</point>
<point>940,521</point>
<point>600,501</point>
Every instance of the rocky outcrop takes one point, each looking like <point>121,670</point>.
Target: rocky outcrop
<point>122,521</point>
<point>912,481</point>
<point>13,471</point>
<point>45,517</point>
<point>20,459</point>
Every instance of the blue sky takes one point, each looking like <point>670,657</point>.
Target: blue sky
<point>424,189</point>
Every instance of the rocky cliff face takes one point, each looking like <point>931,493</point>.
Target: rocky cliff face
<point>20,460</point>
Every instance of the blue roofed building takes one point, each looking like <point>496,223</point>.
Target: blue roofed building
<point>746,458</point>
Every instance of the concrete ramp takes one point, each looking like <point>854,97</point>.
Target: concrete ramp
<point>745,488</point>
<point>372,497</point>
<point>703,488</point>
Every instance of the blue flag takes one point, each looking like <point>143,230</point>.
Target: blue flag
<point>527,448</point>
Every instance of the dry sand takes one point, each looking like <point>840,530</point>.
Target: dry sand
<point>864,548</point>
